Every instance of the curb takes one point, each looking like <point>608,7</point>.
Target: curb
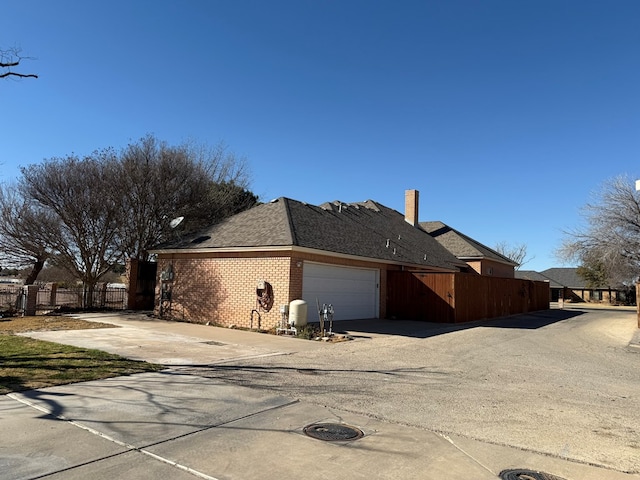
<point>635,341</point>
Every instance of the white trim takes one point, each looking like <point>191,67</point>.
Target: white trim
<point>294,249</point>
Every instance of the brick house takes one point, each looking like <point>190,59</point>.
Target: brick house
<point>334,253</point>
<point>566,283</point>
<point>479,257</point>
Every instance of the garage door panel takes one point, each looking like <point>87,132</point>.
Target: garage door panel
<point>351,291</point>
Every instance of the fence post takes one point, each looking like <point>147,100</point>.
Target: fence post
<point>132,282</point>
<point>31,300</point>
<point>103,294</point>
<point>53,294</point>
<point>638,302</point>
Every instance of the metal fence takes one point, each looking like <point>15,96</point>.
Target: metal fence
<point>11,299</point>
<point>52,298</point>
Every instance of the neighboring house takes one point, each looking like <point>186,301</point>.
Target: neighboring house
<point>533,275</point>
<point>479,257</point>
<point>565,283</point>
<point>554,287</point>
<point>360,257</point>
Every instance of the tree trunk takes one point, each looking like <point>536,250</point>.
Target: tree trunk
<point>88,288</point>
<point>638,303</point>
<point>35,271</point>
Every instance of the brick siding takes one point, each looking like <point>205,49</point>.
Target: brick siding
<point>492,268</point>
<point>221,289</point>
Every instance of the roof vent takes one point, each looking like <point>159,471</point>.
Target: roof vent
<point>200,239</point>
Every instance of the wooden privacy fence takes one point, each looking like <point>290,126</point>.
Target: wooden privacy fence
<point>461,297</point>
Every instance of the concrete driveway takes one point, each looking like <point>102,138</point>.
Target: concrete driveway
<point>234,405</point>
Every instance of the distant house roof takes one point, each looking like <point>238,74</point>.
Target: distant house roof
<point>536,276</point>
<point>567,277</point>
<point>557,277</point>
<point>462,246</point>
<point>364,229</point>
<point>530,275</point>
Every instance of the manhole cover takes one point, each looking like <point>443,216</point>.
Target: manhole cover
<point>527,475</point>
<point>332,432</point>
<point>213,342</point>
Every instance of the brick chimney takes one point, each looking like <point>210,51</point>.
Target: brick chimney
<point>411,206</point>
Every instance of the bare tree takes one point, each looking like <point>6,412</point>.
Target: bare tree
<point>9,59</point>
<point>158,183</point>
<point>25,229</point>
<point>80,193</point>
<point>516,253</point>
<point>227,199</point>
<point>85,215</point>
<point>226,190</point>
<point>611,234</point>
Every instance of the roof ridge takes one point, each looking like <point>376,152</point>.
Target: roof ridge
<point>287,211</point>
<point>475,244</point>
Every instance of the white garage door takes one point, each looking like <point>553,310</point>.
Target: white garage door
<point>353,292</point>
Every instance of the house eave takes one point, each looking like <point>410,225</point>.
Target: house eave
<point>291,249</point>
<point>482,258</point>
<point>184,251</point>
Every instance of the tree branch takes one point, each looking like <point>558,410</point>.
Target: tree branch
<point>10,64</point>
<point>20,75</point>
<point>11,58</point>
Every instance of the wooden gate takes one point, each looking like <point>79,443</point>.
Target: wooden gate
<point>142,284</point>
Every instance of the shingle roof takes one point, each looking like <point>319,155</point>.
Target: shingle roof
<point>566,277</point>
<point>537,276</point>
<point>530,275</point>
<point>462,246</point>
<point>557,277</point>
<point>364,229</point>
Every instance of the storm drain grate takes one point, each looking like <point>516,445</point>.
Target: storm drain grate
<point>333,432</point>
<point>520,474</point>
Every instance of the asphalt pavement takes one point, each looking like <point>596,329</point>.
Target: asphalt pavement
<point>180,425</point>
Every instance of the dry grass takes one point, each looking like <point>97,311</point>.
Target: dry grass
<point>13,325</point>
<point>26,363</point>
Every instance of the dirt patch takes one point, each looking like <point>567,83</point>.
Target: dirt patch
<point>13,325</point>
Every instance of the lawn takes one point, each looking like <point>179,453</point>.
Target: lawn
<point>26,363</point>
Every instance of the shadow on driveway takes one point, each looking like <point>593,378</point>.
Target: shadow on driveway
<point>418,329</point>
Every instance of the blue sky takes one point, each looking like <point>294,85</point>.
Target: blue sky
<point>505,114</point>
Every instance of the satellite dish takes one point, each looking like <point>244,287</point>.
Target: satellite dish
<point>175,222</point>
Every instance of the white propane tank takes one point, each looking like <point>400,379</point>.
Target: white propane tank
<point>298,313</point>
